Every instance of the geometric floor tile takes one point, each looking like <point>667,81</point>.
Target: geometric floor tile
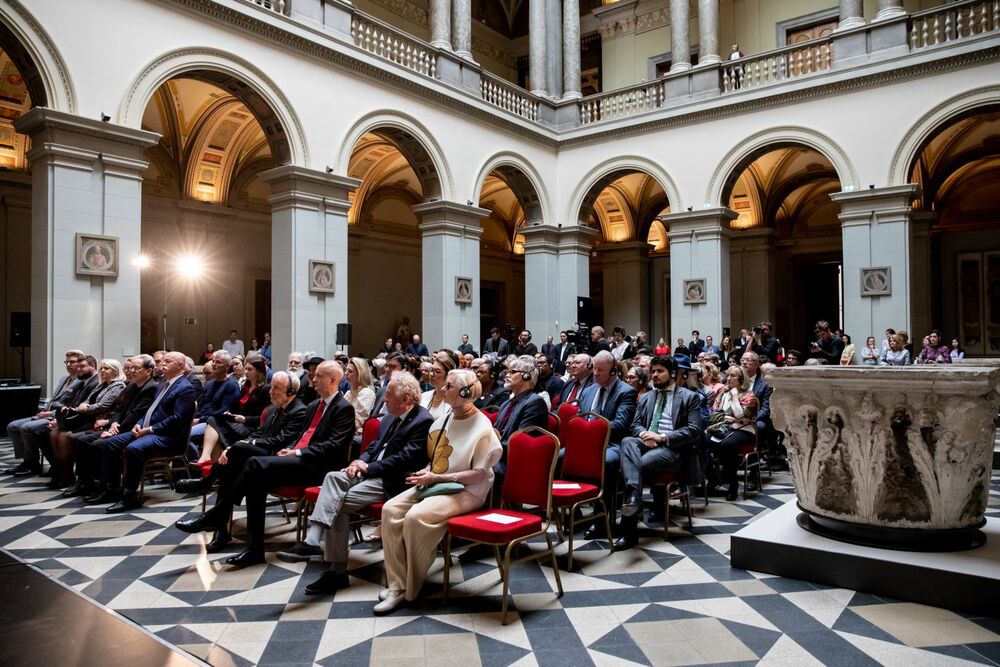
<point>921,626</point>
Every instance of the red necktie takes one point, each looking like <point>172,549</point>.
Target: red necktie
<point>307,436</point>
<point>572,394</point>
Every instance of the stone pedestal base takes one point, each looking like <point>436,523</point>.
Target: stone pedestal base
<point>967,580</point>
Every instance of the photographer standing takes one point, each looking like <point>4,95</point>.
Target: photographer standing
<point>763,342</point>
<point>827,346</point>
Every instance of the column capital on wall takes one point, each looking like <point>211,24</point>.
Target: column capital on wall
<point>60,136</point>
<point>860,206</point>
<point>625,251</point>
<point>576,238</point>
<point>294,185</point>
<point>450,218</point>
<point>706,220</point>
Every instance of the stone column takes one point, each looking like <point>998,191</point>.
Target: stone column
<point>462,27</point>
<point>877,232</point>
<point>750,261</point>
<point>626,285</point>
<point>441,24</point>
<point>308,222</point>
<point>708,32</point>
<point>450,233</point>
<point>851,14</point>
<point>553,48</point>
<point>541,278</point>
<point>571,49</point>
<point>680,42</point>
<point>888,9</point>
<point>536,46</point>
<point>575,243</point>
<point>921,288</point>
<point>699,251</point>
<point>86,181</point>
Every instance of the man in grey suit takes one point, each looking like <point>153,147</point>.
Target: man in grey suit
<point>667,427</point>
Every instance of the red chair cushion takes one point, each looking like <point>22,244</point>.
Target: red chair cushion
<point>748,449</point>
<point>289,491</point>
<point>491,415</point>
<point>373,511</point>
<point>665,478</point>
<point>565,497</point>
<point>311,494</point>
<point>369,432</point>
<point>471,527</point>
<point>553,424</point>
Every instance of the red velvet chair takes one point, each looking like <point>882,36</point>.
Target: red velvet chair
<point>567,411</point>
<point>553,424</point>
<point>585,439</point>
<point>491,412</point>
<point>531,462</point>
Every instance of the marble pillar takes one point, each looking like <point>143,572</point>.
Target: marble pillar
<point>575,244</point>
<point>86,184</point>
<point>541,278</point>
<point>888,9</point>
<point>553,48</point>
<point>877,233</point>
<point>680,40</point>
<point>708,32</point>
<point>851,14</point>
<point>625,268</point>
<point>450,245</point>
<point>899,448</point>
<point>441,24</point>
<point>536,46</point>
<point>308,223</point>
<point>699,271</point>
<point>461,31</point>
<point>571,50</point>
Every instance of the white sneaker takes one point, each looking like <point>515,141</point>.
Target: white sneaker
<point>383,594</point>
<point>392,600</point>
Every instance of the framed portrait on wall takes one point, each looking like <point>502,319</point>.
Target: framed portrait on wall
<point>463,289</point>
<point>96,255</point>
<point>321,276</point>
<point>876,281</point>
<point>695,291</point>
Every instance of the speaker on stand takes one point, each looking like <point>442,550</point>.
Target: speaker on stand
<point>344,331</point>
<point>20,336</point>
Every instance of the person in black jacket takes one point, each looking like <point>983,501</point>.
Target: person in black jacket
<point>524,408</point>
<point>323,446</point>
<point>494,393</point>
<point>377,475</point>
<point>132,405</point>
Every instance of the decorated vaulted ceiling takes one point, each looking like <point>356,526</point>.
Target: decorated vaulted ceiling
<point>211,146</point>
<point>959,171</point>
<point>627,208</point>
<point>384,173</point>
<point>501,230</point>
<point>787,189</point>
<point>14,101</point>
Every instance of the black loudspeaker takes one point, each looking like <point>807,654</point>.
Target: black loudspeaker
<point>584,311</point>
<point>20,329</point>
<point>344,333</point>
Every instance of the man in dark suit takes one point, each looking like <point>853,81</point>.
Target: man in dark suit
<point>548,348</point>
<point>162,431</point>
<point>614,400</point>
<point>417,348</point>
<point>497,345</point>
<point>552,383</point>
<point>597,341</point>
<point>696,345</point>
<point>466,346</point>
<point>279,427</point>
<point>86,381</point>
<point>324,446</point>
<point>524,408</point>
<point>135,401</point>
<point>378,474</point>
<point>562,352</point>
<point>665,431</point>
<point>393,363</point>
<point>581,373</point>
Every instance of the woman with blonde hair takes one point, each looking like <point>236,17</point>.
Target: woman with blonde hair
<point>711,380</point>
<point>463,448</point>
<point>360,395</point>
<point>440,364</point>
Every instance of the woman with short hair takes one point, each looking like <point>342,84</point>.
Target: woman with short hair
<point>734,424</point>
<point>438,367</point>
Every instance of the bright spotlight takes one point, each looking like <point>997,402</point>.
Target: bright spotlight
<point>190,267</point>
<point>141,261</point>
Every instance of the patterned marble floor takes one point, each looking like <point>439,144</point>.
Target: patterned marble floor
<point>667,603</point>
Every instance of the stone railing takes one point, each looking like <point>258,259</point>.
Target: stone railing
<point>276,6</point>
<point>621,103</point>
<point>953,22</point>
<point>384,41</point>
<point>507,96</point>
<point>790,62</point>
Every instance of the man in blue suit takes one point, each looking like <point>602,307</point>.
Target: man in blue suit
<point>163,431</point>
<point>614,400</point>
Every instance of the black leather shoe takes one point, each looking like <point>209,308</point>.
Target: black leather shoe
<point>328,583</point>
<point>734,492</point>
<point>220,540</point>
<point>130,501</point>
<point>81,488</point>
<point>246,558</point>
<point>202,523</point>
<point>625,542</point>
<point>26,471</point>
<point>631,505</point>
<point>299,552</point>
<point>595,533</point>
<point>104,497</point>
<point>190,486</point>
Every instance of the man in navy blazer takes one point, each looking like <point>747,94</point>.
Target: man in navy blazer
<point>660,446</point>
<point>581,373</point>
<point>324,446</point>
<point>162,431</point>
<point>524,408</point>
<point>378,474</point>
<point>614,400</point>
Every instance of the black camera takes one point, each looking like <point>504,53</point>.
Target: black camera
<point>758,330</point>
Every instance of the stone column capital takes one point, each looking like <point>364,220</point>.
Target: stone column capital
<point>450,219</point>
<point>625,251</point>
<point>577,239</point>
<point>701,222</point>
<point>865,206</point>
<point>292,185</point>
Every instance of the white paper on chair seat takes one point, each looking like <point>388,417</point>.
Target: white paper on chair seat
<point>500,518</point>
<point>566,486</point>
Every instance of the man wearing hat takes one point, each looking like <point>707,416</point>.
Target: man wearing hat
<point>306,392</point>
